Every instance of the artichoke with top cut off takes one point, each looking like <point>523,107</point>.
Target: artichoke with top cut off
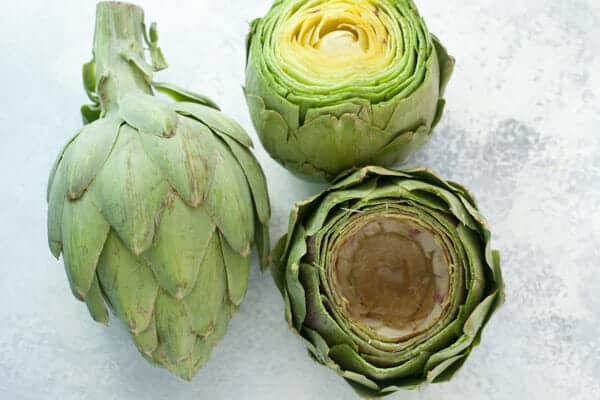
<point>337,84</point>
<point>154,204</point>
<point>389,277</point>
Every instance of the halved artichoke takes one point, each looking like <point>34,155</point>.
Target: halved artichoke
<point>389,277</point>
<point>154,204</point>
<point>336,84</point>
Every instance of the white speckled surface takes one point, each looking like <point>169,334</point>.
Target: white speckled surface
<point>522,130</point>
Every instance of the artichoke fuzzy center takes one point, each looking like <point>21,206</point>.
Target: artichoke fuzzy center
<point>329,39</point>
<point>391,275</point>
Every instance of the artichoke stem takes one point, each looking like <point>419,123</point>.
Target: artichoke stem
<point>118,37</point>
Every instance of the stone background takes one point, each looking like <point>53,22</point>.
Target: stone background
<point>522,130</point>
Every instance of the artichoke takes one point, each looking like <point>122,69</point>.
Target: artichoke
<point>155,204</point>
<point>389,277</point>
<point>336,84</point>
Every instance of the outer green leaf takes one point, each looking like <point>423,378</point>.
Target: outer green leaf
<point>174,328</point>
<point>56,201</point>
<point>89,152</point>
<point>88,73</point>
<point>187,159</point>
<point>254,175</point>
<point>84,232</point>
<point>148,114</point>
<point>128,284</point>
<point>446,63</point>
<point>183,95</point>
<point>55,165</point>
<point>349,359</point>
<point>90,113</point>
<point>238,269</point>
<point>130,192</point>
<point>229,201</point>
<point>205,301</point>
<point>179,247</point>
<point>279,263</point>
<point>147,341</point>
<point>215,120</point>
<point>95,303</point>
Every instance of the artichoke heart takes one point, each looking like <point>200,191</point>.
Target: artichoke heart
<point>389,277</point>
<point>337,84</point>
<point>154,204</point>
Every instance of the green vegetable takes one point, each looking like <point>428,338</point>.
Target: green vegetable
<point>336,84</point>
<point>154,204</point>
<point>389,277</point>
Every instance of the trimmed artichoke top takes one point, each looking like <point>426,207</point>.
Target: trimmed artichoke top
<point>154,204</point>
<point>389,277</point>
<point>335,84</point>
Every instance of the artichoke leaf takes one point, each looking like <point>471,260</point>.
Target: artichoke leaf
<point>229,201</point>
<point>56,202</point>
<point>278,266</point>
<point>180,244</point>
<point>215,120</point>
<point>84,232</point>
<point>294,288</point>
<point>350,359</point>
<point>348,142</point>
<point>137,60</point>
<point>318,347</point>
<point>255,177</point>
<point>90,113</point>
<point>95,303</point>
<point>55,166</point>
<point>156,55</point>
<point>130,192</point>
<point>237,267</point>
<point>364,386</point>
<point>89,80</point>
<point>439,112</point>
<point>455,206</point>
<point>251,31</point>
<point>446,63</point>
<point>470,331</point>
<point>148,114</point>
<point>186,159</point>
<point>273,130</point>
<point>401,146</point>
<point>174,328</point>
<point>158,59</point>
<point>147,340</point>
<point>317,316</point>
<point>89,152</point>
<point>262,241</point>
<point>128,284</point>
<point>333,199</point>
<point>446,369</point>
<point>204,302</point>
<point>183,95</point>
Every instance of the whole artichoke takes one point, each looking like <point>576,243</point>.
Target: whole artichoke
<point>389,277</point>
<point>336,84</point>
<point>155,205</point>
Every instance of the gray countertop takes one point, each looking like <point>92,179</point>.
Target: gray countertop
<point>522,130</point>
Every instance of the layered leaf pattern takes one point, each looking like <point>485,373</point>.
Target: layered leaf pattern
<point>155,205</point>
<point>318,116</point>
<point>378,364</point>
<point>162,227</point>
